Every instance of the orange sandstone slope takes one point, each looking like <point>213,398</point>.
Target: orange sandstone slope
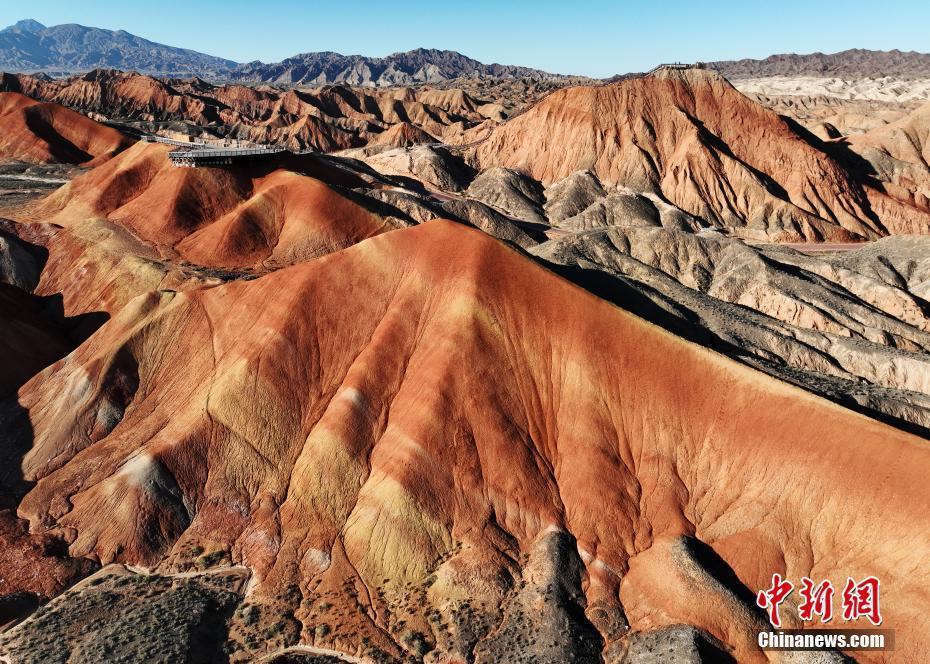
<point>218,217</point>
<point>428,416</point>
<point>43,132</point>
<point>693,138</point>
<point>327,118</point>
<point>897,157</point>
<point>402,135</point>
<point>906,141</point>
<point>96,267</point>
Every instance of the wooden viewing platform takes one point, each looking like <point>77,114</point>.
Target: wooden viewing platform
<point>153,138</point>
<point>676,65</point>
<point>219,156</point>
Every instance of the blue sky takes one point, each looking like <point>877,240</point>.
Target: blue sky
<point>595,38</point>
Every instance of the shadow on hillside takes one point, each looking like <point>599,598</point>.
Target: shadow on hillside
<point>711,562</point>
<point>61,149</point>
<point>16,436</point>
<point>35,332</point>
<point>857,166</point>
<point>620,293</point>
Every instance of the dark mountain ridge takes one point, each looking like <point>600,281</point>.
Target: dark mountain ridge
<point>421,65</point>
<point>30,47</point>
<point>852,63</point>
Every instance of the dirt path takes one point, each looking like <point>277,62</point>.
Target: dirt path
<point>311,650</point>
<point>823,247</point>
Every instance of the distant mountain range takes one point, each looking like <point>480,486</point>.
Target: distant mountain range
<point>422,65</point>
<point>854,63</point>
<point>29,46</point>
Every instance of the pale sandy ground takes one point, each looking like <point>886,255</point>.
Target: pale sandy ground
<point>876,89</point>
<point>829,105</point>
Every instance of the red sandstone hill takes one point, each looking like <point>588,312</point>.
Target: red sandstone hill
<point>215,217</point>
<point>429,429</point>
<point>897,156</point>
<point>694,139</point>
<point>402,135</point>
<point>327,118</point>
<point>44,132</point>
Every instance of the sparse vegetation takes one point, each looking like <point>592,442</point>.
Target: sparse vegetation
<point>178,620</point>
<point>210,559</point>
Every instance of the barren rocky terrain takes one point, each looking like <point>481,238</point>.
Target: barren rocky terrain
<point>324,119</point>
<point>504,373</point>
<point>832,107</point>
<point>837,94</point>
